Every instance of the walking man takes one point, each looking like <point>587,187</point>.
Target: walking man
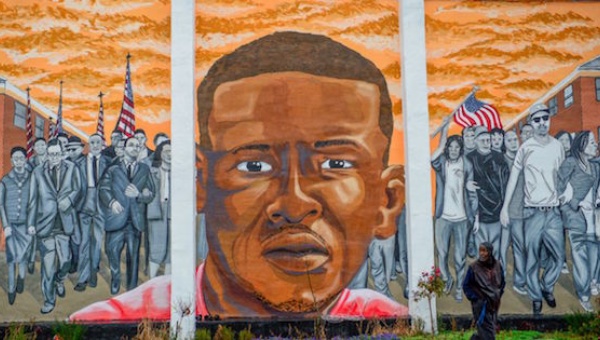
<point>539,159</point>
<point>124,191</point>
<point>52,216</point>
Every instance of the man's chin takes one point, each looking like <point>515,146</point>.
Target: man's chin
<point>298,306</point>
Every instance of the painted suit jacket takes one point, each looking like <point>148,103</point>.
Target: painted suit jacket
<point>44,198</point>
<point>112,187</point>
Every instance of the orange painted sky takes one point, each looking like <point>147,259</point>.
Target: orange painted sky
<point>514,51</point>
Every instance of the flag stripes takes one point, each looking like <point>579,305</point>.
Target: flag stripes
<point>475,112</point>
<point>126,121</point>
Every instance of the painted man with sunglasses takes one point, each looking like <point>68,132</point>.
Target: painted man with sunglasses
<point>539,159</point>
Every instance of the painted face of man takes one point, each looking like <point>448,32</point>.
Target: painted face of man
<point>55,155</point>
<point>290,198</point>
<point>18,160</point>
<point>115,137</point>
<point>526,133</point>
<point>469,139</point>
<point>132,148</point>
<point>74,152</point>
<point>511,141</point>
<point>565,141</point>
<point>483,143</point>
<point>141,138</point>
<point>95,145</point>
<point>497,140</point>
<point>540,122</point>
<point>40,147</point>
<point>454,151</point>
<point>120,148</point>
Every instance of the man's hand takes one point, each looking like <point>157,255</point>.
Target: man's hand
<point>132,191</point>
<point>31,230</point>
<point>64,204</point>
<point>146,192</point>
<point>476,226</point>
<point>7,232</point>
<point>504,219</point>
<point>116,207</point>
<point>472,186</point>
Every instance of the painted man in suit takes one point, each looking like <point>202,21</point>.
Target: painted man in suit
<point>91,218</point>
<point>53,218</point>
<point>75,154</point>
<point>124,191</point>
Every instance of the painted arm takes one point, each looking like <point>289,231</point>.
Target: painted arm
<point>443,138</point>
<point>510,190</point>
<point>2,209</point>
<point>104,188</point>
<point>32,203</point>
<point>147,193</point>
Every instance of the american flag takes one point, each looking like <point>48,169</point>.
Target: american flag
<point>29,127</point>
<point>126,122</point>
<point>58,128</point>
<point>100,127</point>
<point>475,112</point>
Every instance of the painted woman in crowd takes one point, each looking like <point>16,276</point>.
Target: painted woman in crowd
<point>577,210</point>
<point>159,211</point>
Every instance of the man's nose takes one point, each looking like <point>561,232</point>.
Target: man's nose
<point>294,205</point>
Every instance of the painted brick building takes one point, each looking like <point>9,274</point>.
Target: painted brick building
<point>575,101</point>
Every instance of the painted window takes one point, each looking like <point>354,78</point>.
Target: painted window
<point>598,89</point>
<point>40,124</point>
<point>553,105</point>
<point>20,114</point>
<point>569,96</point>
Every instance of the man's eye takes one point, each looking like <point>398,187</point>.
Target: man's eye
<point>336,164</point>
<point>254,166</point>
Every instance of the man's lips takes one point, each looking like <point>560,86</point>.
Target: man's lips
<point>296,252</point>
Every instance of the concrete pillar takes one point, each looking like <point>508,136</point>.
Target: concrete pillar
<point>183,188</point>
<point>417,152</point>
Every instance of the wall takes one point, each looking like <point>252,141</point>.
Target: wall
<point>285,160</point>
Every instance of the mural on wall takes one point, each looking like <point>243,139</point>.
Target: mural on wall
<point>299,119</point>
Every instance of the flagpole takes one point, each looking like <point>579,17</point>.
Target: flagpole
<point>100,126</point>
<point>439,128</point>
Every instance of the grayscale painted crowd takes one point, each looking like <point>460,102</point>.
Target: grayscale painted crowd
<point>62,206</point>
<point>530,190</point>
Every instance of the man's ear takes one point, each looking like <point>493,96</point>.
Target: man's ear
<point>201,177</point>
<point>393,176</point>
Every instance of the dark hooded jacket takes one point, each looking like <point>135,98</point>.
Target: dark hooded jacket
<point>484,282</point>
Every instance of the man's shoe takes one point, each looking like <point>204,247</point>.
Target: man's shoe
<point>458,296</point>
<point>471,250</point>
<point>114,287</point>
<point>11,298</point>
<point>520,290</point>
<point>537,308</point>
<point>565,269</point>
<point>20,285</point>
<point>448,286</point>
<point>550,300</point>
<point>31,267</point>
<point>80,287</point>
<point>93,280</point>
<point>587,306</point>
<point>47,308</point>
<point>73,268</point>
<point>60,290</point>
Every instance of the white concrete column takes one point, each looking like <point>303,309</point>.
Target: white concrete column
<point>183,185</point>
<point>417,152</point>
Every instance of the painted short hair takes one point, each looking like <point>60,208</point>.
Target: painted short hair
<point>293,52</point>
